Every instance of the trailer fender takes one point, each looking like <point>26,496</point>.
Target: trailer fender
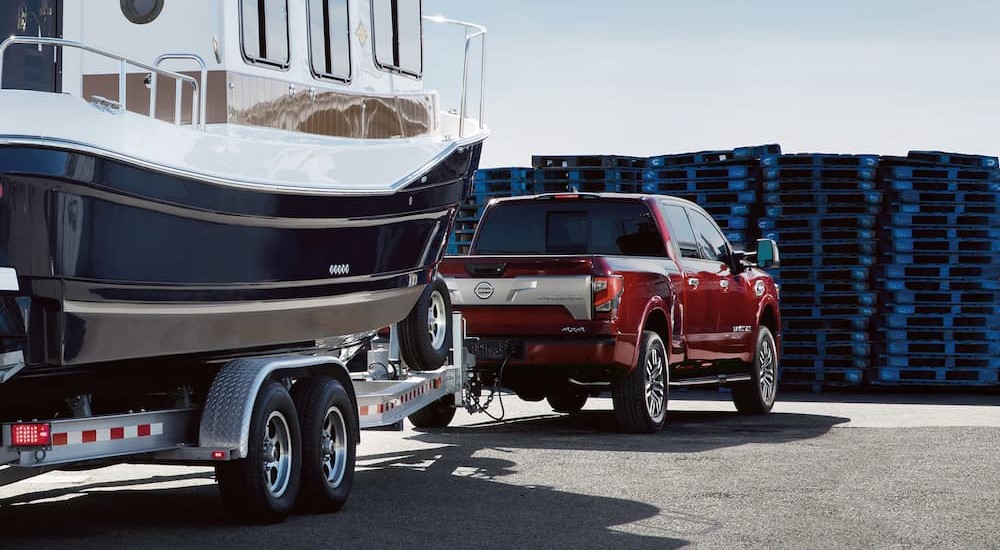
<point>225,421</point>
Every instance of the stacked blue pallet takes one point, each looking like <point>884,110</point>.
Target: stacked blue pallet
<point>726,183</point>
<point>939,273</point>
<point>586,173</point>
<point>487,184</point>
<point>822,212</point>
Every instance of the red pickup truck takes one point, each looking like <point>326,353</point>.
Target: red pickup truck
<point>570,295</point>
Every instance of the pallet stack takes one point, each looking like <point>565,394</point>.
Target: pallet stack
<point>938,273</point>
<point>487,184</point>
<point>822,210</point>
<point>727,184</point>
<point>587,173</point>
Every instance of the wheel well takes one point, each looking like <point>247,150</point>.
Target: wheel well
<point>657,322</point>
<point>769,320</point>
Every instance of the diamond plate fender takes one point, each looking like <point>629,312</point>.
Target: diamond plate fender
<point>225,421</point>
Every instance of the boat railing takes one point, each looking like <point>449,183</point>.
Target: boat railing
<point>198,91</point>
<point>472,32</point>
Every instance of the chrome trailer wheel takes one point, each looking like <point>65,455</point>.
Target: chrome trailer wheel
<point>329,443</point>
<point>425,334</point>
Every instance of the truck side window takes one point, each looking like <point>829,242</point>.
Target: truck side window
<point>397,28</point>
<point>329,39</point>
<point>265,31</point>
<point>680,230</point>
<point>711,239</point>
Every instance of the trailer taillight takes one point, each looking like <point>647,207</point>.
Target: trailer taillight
<point>607,296</point>
<point>30,435</point>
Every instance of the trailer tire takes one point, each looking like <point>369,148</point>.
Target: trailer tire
<point>329,446</point>
<point>436,415</point>
<point>640,398</point>
<point>267,495</point>
<point>425,334</point>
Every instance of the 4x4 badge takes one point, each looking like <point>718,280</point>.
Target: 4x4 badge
<point>484,290</point>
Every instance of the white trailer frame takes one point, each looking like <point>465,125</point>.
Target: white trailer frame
<point>164,436</point>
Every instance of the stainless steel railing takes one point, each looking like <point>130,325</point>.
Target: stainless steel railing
<point>198,90</point>
<point>472,32</point>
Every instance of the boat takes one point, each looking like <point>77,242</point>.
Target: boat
<point>183,182</point>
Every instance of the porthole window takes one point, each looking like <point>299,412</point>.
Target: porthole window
<point>141,12</point>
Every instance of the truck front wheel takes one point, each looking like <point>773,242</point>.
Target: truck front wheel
<point>263,487</point>
<point>756,396</point>
<point>640,399</point>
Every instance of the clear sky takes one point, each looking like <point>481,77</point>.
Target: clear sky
<point>647,77</point>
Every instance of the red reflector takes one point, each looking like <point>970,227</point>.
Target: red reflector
<point>218,455</point>
<point>566,196</point>
<point>30,435</point>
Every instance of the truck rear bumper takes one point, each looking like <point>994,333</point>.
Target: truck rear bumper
<point>609,354</point>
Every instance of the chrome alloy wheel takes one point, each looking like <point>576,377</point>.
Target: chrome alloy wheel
<point>654,383</point>
<point>334,446</point>
<point>437,320</point>
<point>766,370</point>
<point>277,454</point>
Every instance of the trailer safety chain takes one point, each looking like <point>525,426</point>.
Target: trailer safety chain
<point>472,403</point>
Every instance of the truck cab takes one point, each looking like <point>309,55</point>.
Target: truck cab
<point>574,294</point>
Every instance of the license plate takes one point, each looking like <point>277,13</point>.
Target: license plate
<point>494,348</point>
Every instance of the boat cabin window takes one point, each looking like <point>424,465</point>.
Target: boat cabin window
<point>329,39</point>
<point>265,31</point>
<point>141,12</point>
<point>397,31</point>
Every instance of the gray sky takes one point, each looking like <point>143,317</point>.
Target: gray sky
<point>646,77</point>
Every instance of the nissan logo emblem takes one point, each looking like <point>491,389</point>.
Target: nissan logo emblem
<point>484,290</point>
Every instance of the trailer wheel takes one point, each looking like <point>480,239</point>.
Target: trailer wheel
<point>263,487</point>
<point>567,402</point>
<point>756,396</point>
<point>436,415</point>
<point>425,334</point>
<point>640,399</point>
<point>329,447</point>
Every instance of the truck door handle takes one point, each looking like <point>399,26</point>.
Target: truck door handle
<point>692,282</point>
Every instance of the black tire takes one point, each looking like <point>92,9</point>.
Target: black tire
<point>436,415</point>
<point>567,402</point>
<point>756,396</point>
<point>640,399</point>
<point>255,489</point>
<point>329,443</point>
<point>425,334</point>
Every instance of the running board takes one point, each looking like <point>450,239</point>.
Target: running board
<point>720,379</point>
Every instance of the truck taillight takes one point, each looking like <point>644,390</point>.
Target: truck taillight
<point>607,296</point>
<point>30,435</point>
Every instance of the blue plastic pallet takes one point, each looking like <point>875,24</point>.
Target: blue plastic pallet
<point>963,233</point>
<point>945,219</point>
<point>821,287</point>
<point>740,172</point>
<point>788,236</point>
<point>587,161</point>
<point>501,188</point>
<point>817,379</point>
<point>791,347</point>
<point>947,271</point>
<point>847,311</point>
<point>822,362</point>
<point>503,174</point>
<point>960,258</point>
<point>826,336</point>
<point>856,252</point>
<point>933,197</point>
<point>707,198</point>
<point>943,246</point>
<point>856,323</point>
<point>711,157</point>
<point>936,377</point>
<point>581,174</point>
<point>958,159</point>
<point>821,177</point>
<point>666,185</point>
<point>827,187</point>
<point>816,299</point>
<point>901,321</point>
<point>942,173</point>
<point>931,301</point>
<point>828,160</point>
<point>971,209</point>
<point>925,347</point>
<point>819,223</point>
<point>857,273</point>
<point>807,197</point>
<point>776,210</point>
<point>977,285</point>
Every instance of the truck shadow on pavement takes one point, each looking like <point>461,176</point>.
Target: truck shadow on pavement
<point>469,486</point>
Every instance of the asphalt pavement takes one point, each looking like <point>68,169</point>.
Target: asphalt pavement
<point>822,471</point>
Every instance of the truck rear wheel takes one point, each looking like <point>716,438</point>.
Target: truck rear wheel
<point>756,396</point>
<point>329,447</point>
<point>640,399</point>
<point>263,487</point>
<point>436,415</point>
<point>425,334</point>
<point>567,402</point>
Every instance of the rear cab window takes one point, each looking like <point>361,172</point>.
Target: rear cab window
<point>560,226</point>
